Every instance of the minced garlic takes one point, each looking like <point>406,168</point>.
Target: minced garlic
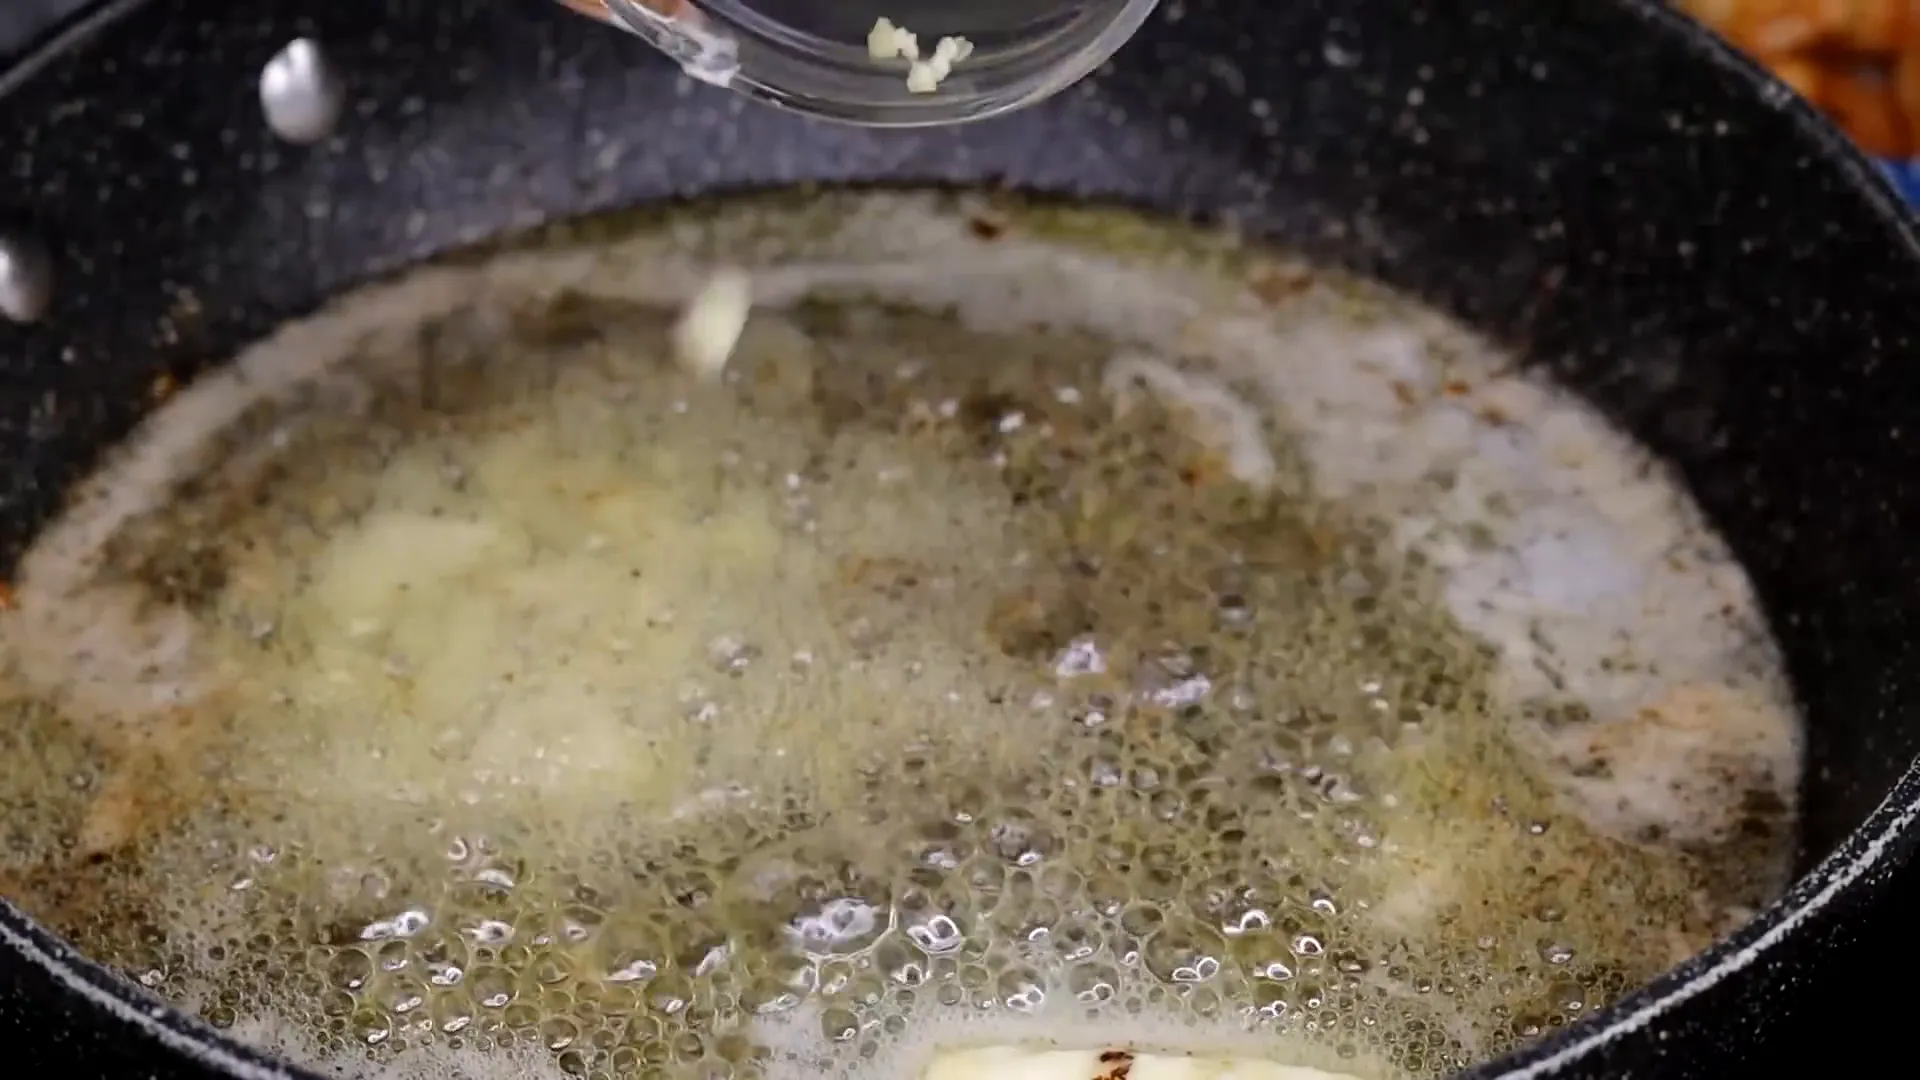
<point>887,41</point>
<point>707,332</point>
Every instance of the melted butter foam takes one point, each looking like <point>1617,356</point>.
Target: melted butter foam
<point>448,774</point>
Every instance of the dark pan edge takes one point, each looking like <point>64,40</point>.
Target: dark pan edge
<point>1892,830</point>
<point>125,1002</point>
<point>1864,171</point>
<point>20,934</point>
<point>69,34</point>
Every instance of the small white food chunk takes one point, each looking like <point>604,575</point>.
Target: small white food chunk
<point>1016,1063</point>
<point>706,334</point>
<point>925,75</point>
<point>951,50</point>
<point>922,79</point>
<point>887,41</point>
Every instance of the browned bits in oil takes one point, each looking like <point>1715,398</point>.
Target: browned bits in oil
<point>890,576</point>
<point>162,388</point>
<point>1275,282</point>
<point>1036,621</point>
<point>987,224</point>
<point>153,780</point>
<point>570,320</point>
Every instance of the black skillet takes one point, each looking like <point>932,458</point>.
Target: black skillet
<point>1596,183</point>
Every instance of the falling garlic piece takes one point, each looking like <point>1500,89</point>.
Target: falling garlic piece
<point>705,336</point>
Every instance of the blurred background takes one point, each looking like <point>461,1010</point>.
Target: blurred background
<point>1857,61</point>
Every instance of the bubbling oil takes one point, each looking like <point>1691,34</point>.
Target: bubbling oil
<point>1089,631</point>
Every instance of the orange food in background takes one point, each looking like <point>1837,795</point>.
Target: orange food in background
<point>1858,61</point>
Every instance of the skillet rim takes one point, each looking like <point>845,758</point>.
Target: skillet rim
<point>1889,833</point>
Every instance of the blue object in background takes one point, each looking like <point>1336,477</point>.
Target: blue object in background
<point>1906,177</point>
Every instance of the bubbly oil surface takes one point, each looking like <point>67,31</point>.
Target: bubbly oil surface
<point>1057,627</point>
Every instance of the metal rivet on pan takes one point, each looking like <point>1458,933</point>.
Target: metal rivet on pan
<point>26,279</point>
<point>300,93</point>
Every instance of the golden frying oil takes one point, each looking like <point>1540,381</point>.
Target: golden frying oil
<point>460,685</point>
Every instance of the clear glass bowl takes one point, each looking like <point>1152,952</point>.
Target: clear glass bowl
<point>812,56</point>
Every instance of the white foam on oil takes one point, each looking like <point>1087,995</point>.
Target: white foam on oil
<point>291,1042</point>
<point>1566,545</point>
<point>940,1031</point>
<point>1562,544</point>
<point>962,1044</point>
